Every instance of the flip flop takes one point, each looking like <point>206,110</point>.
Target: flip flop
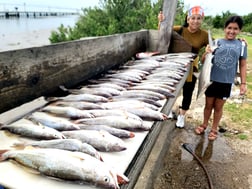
<point>212,135</point>
<point>200,129</point>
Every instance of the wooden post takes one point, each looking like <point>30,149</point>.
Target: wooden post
<point>165,32</point>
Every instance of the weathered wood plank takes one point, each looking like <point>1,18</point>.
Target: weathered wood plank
<point>29,73</point>
<point>169,11</point>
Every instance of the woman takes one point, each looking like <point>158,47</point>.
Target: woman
<point>191,31</point>
<point>229,52</point>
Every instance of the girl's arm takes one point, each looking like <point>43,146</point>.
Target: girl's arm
<point>243,69</point>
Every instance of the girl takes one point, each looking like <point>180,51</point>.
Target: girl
<point>229,52</point>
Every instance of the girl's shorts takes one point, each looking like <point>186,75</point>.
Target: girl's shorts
<point>219,90</point>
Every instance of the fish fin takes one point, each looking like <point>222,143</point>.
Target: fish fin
<point>2,158</point>
<point>29,147</point>
<point>77,155</point>
<point>2,126</point>
<point>19,145</point>
<point>122,179</point>
<point>100,157</point>
<point>31,119</point>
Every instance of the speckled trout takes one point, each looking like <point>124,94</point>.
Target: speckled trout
<point>66,165</point>
<point>204,77</point>
<point>69,112</point>
<point>33,131</point>
<point>100,140</point>
<point>63,144</point>
<point>48,120</point>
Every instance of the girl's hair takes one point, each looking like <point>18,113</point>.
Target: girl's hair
<point>234,19</point>
<point>185,22</point>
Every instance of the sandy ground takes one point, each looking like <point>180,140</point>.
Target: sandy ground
<point>24,40</point>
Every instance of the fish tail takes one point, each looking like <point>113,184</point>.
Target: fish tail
<point>2,157</point>
<point>122,179</point>
<point>52,99</point>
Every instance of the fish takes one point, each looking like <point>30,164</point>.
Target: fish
<point>121,122</point>
<point>63,144</point>
<point>113,112</point>
<point>161,84</point>
<point>100,140</point>
<point>121,102</point>
<point>142,94</point>
<point>117,81</point>
<point>33,131</point>
<point>153,104</point>
<point>69,112</point>
<point>157,89</point>
<point>125,77</point>
<point>79,105</point>
<point>130,72</point>
<point>120,133</point>
<point>142,67</point>
<point>165,74</point>
<point>204,76</point>
<point>108,85</point>
<point>66,165</point>
<point>147,114</point>
<point>79,97</point>
<point>58,123</point>
<point>84,90</point>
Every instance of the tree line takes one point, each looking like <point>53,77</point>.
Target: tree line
<point>120,16</point>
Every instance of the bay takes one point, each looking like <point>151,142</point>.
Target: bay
<point>18,33</point>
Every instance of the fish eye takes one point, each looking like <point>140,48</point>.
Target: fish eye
<point>106,179</point>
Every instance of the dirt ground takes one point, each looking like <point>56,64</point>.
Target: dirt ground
<point>228,162</point>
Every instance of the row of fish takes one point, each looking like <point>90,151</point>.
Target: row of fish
<point>96,118</point>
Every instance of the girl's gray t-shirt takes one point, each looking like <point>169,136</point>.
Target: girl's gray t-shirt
<point>226,58</point>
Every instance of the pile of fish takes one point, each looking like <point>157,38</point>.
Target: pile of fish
<point>69,133</point>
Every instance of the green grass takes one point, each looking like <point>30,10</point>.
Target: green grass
<point>239,115</point>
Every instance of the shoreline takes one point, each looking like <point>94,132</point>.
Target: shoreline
<point>23,40</point>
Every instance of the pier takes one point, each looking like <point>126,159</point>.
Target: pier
<point>10,10</point>
<point>18,14</point>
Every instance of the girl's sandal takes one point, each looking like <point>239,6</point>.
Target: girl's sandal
<point>212,135</point>
<point>200,129</point>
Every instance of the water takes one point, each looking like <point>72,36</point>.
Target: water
<point>20,25</point>
<point>25,32</point>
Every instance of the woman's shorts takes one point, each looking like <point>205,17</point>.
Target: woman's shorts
<point>219,90</point>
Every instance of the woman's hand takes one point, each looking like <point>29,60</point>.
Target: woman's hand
<point>161,16</point>
<point>208,49</point>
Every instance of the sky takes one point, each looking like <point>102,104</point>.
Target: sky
<point>214,7</point>
<point>211,7</point>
